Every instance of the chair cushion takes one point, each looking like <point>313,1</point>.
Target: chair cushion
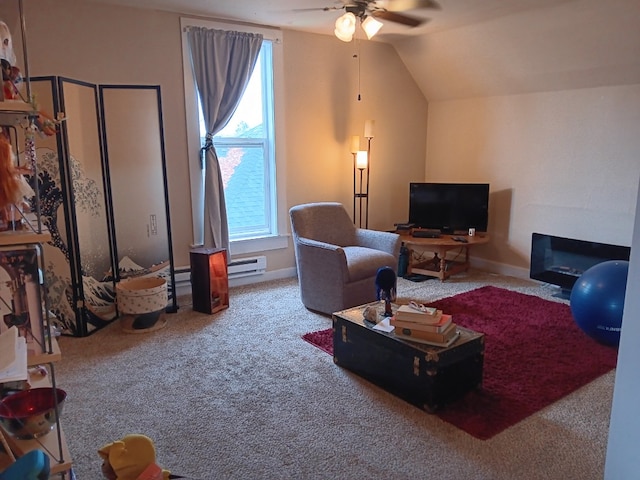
<point>363,262</point>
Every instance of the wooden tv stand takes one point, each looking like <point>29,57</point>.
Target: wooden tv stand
<point>439,265</point>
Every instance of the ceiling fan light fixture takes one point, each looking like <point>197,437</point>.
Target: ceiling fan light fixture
<point>345,27</point>
<point>371,26</point>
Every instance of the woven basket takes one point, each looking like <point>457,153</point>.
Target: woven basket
<point>141,302</point>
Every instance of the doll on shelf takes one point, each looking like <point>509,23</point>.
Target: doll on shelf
<point>6,47</point>
<point>10,73</point>
<point>11,79</point>
<point>14,188</point>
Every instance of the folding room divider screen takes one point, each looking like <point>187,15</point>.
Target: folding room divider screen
<point>133,137</point>
<point>82,261</point>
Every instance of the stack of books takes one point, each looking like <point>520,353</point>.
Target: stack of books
<point>426,325</point>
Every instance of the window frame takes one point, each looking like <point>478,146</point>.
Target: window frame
<point>279,238</point>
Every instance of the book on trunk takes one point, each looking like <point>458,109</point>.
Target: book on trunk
<point>445,338</point>
<point>441,326</point>
<point>410,314</point>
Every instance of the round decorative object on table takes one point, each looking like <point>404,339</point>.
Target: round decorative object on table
<point>142,303</point>
<point>597,300</point>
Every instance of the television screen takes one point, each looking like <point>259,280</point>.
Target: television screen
<point>449,207</point>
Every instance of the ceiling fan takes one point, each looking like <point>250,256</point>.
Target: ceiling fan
<point>370,12</point>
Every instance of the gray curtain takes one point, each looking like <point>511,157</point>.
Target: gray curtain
<point>222,63</point>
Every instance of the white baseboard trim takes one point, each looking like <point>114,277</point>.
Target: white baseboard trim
<point>184,287</point>
<point>265,277</point>
<point>183,281</point>
<point>500,268</point>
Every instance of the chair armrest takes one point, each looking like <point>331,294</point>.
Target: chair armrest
<point>322,254</point>
<point>308,242</point>
<point>385,241</point>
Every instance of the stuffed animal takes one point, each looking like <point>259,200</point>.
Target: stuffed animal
<point>12,77</point>
<point>131,458</point>
<point>9,182</point>
<point>14,188</point>
<point>6,45</point>
<point>10,73</point>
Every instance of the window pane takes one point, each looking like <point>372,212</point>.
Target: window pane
<point>243,175</point>
<point>245,152</point>
<point>248,115</point>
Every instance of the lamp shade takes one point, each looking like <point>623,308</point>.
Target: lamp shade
<point>361,159</point>
<point>355,144</point>
<point>345,27</point>
<point>368,128</point>
<point>371,26</point>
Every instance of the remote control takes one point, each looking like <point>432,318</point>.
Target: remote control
<point>460,239</point>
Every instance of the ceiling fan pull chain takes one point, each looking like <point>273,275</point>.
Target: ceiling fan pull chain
<point>357,56</point>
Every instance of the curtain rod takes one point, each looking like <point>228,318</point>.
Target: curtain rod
<point>274,40</point>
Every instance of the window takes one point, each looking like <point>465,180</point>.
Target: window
<point>247,149</point>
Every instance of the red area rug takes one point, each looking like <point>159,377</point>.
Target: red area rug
<point>323,339</point>
<point>534,355</point>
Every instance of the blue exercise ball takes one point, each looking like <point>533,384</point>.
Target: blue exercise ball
<point>597,300</point>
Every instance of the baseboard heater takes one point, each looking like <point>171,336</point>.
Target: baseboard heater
<point>183,276</point>
<point>244,267</point>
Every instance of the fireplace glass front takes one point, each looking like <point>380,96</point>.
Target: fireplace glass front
<point>560,261</point>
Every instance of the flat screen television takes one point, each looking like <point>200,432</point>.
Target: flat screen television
<point>449,207</point>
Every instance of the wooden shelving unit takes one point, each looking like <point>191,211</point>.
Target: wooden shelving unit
<point>54,442</point>
<point>18,113</point>
<point>55,446</point>
<point>14,112</point>
<point>23,237</point>
<point>52,355</point>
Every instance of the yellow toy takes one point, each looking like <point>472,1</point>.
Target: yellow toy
<point>131,458</point>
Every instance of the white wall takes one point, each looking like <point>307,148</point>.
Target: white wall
<point>563,163</point>
<point>623,460</point>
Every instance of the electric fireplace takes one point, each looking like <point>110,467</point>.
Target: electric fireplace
<point>560,261</point>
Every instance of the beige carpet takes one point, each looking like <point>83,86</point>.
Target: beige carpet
<point>239,395</point>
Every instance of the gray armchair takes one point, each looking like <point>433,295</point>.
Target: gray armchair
<point>337,263</point>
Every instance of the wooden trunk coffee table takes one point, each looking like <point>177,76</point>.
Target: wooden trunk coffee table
<point>426,376</point>
<point>439,265</point>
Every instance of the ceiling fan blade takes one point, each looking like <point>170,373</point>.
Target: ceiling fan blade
<point>316,9</point>
<point>398,18</point>
<point>402,5</point>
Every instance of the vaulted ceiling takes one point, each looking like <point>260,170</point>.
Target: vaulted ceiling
<point>471,48</point>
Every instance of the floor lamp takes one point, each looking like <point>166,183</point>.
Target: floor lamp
<point>360,164</point>
<point>368,134</point>
<point>355,146</point>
